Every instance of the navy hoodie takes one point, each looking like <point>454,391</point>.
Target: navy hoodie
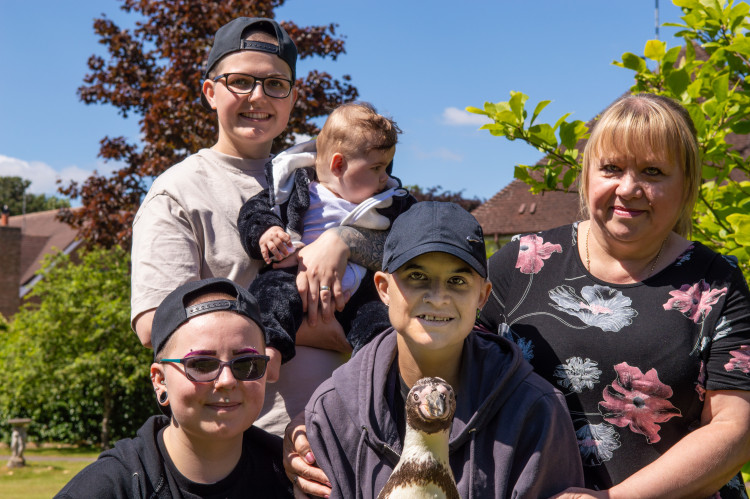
<point>511,434</point>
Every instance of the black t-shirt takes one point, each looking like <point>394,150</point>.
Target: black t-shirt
<point>257,474</point>
<point>633,360</point>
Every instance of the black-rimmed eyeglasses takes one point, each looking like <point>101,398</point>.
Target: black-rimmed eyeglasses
<point>203,369</point>
<point>241,83</point>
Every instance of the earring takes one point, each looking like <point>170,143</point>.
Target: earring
<point>163,397</point>
<point>479,312</point>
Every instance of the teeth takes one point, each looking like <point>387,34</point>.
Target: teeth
<point>433,318</point>
<point>256,116</point>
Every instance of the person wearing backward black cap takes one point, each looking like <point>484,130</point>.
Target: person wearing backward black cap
<point>186,226</point>
<point>209,378</point>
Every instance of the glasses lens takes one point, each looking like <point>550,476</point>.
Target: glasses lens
<point>248,368</point>
<point>276,87</point>
<point>240,83</point>
<point>202,368</point>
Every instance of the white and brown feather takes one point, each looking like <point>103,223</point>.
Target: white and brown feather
<point>423,470</point>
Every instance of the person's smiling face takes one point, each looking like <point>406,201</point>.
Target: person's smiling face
<point>219,409</point>
<point>248,123</point>
<point>635,199</point>
<point>433,300</point>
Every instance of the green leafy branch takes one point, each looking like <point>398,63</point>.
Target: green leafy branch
<point>707,73</point>
<point>558,142</point>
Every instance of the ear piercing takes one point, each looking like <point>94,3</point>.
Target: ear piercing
<point>163,398</point>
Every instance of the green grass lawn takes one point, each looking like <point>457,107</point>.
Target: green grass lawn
<point>42,479</point>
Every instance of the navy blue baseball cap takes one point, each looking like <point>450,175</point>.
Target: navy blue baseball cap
<point>173,311</point>
<point>435,226</point>
<point>230,38</point>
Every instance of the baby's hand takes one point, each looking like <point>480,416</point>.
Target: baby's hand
<point>275,244</point>
<point>290,261</point>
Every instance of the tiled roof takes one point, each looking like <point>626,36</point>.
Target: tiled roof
<point>514,210</point>
<point>41,232</point>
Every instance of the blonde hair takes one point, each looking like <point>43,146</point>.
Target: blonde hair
<point>647,121</point>
<point>354,129</point>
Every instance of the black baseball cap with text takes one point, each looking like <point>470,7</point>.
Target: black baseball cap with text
<point>173,311</point>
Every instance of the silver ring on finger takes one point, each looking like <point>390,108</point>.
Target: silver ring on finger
<point>325,288</point>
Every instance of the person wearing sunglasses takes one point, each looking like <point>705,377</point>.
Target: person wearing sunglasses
<point>209,378</point>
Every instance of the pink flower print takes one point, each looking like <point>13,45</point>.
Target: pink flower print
<point>639,401</point>
<point>694,301</point>
<point>532,251</point>
<point>741,360</point>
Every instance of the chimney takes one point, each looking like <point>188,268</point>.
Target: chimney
<point>10,268</point>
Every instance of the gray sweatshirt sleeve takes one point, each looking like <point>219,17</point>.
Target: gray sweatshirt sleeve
<point>551,460</point>
<point>330,438</point>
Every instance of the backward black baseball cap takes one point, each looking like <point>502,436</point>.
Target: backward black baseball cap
<point>230,38</point>
<point>173,311</point>
<point>435,226</point>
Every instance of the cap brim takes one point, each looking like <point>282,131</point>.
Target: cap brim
<point>440,247</point>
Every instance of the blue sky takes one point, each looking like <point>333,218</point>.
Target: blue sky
<point>420,62</point>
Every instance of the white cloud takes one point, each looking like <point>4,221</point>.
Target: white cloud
<point>457,117</point>
<point>441,153</point>
<point>43,176</point>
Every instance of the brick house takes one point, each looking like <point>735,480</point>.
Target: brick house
<point>515,210</point>
<point>24,240</point>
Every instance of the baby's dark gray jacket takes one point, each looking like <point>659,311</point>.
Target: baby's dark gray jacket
<point>135,468</point>
<point>511,435</point>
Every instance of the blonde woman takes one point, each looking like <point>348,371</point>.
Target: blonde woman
<point>645,332</point>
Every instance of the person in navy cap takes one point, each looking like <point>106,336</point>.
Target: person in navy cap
<point>511,435</point>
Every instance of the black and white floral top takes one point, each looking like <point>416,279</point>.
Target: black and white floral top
<point>633,360</point>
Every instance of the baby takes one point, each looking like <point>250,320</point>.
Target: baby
<point>349,185</point>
